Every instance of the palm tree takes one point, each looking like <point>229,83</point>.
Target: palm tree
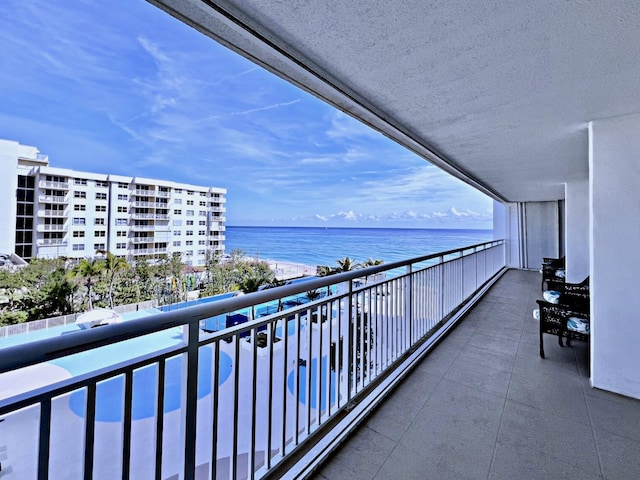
<point>370,262</point>
<point>254,279</point>
<point>89,270</point>
<point>112,264</point>
<point>347,264</point>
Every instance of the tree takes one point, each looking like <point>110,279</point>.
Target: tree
<point>89,271</point>
<point>112,265</point>
<point>254,279</point>
<point>347,264</point>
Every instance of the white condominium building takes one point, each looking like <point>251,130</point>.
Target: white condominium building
<point>49,212</point>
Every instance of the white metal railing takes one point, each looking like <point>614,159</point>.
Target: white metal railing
<point>56,242</point>
<point>52,213</point>
<point>142,216</point>
<point>50,228</point>
<point>241,402</point>
<point>53,198</point>
<point>57,185</point>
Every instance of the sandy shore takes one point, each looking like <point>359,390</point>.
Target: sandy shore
<point>287,270</point>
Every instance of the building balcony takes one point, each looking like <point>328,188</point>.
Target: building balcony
<point>217,209</point>
<point>51,242</point>
<point>148,251</point>
<point>52,213</point>
<point>54,185</point>
<point>143,193</point>
<point>58,199</point>
<point>160,193</point>
<point>140,240</point>
<point>50,228</point>
<point>142,228</point>
<point>138,204</point>
<point>161,217</point>
<point>142,216</point>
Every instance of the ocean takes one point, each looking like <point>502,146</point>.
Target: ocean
<point>323,246</point>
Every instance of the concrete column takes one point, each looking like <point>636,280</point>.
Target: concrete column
<point>8,188</point>
<point>614,196</point>
<point>577,230</point>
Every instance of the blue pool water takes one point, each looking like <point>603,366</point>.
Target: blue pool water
<point>110,393</point>
<point>302,370</point>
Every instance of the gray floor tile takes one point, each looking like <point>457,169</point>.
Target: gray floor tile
<point>547,434</point>
<point>620,457</point>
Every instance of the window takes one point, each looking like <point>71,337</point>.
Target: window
<point>177,233</point>
<point>122,209</point>
<point>101,183</point>
<point>98,246</point>
<point>177,212</point>
<point>101,196</point>
<point>123,185</point>
<point>202,213</point>
<point>120,233</point>
<point>78,246</point>
<point>202,242</point>
<point>121,245</point>
<point>121,221</point>
<point>100,233</point>
<point>78,194</point>
<point>98,221</point>
<point>189,243</point>
<point>203,204</point>
<point>201,252</point>
<point>189,213</point>
<point>189,222</point>
<point>202,223</point>
<point>176,243</point>
<point>79,208</point>
<point>78,221</point>
<point>202,232</point>
<point>189,233</point>
<point>177,223</point>
<point>101,208</point>
<point>80,181</point>
<point>178,190</point>
<point>123,197</point>
<point>178,201</point>
<point>189,192</point>
<point>78,233</point>
<point>203,194</point>
<point>189,202</point>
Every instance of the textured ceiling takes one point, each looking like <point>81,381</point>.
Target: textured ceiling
<point>498,93</point>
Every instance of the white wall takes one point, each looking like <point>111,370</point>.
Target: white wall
<point>577,230</point>
<point>8,187</point>
<point>505,225</point>
<point>614,180</point>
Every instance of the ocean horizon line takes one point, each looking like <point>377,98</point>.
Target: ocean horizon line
<point>362,228</point>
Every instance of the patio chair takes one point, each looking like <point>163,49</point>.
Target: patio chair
<point>552,273</point>
<point>569,318</point>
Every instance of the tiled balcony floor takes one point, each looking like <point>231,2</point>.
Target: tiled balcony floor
<point>484,405</point>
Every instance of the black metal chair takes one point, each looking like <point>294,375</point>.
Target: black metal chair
<point>569,318</point>
<point>550,269</point>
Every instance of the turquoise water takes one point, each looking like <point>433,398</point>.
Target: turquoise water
<point>323,246</point>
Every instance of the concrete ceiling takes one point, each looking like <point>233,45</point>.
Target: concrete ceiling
<point>497,93</point>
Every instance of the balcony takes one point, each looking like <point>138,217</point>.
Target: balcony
<point>51,242</point>
<point>138,204</point>
<point>140,240</point>
<point>142,216</point>
<point>160,193</point>
<point>58,199</point>
<point>148,251</point>
<point>291,376</point>
<point>142,228</point>
<point>52,213</point>
<point>54,185</point>
<point>50,228</point>
<point>143,193</point>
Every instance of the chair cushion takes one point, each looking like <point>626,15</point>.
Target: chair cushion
<point>560,273</point>
<point>551,296</point>
<point>579,325</point>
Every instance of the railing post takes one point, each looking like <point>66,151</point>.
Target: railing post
<point>408,297</point>
<point>191,399</point>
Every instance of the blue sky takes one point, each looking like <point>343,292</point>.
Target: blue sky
<point>121,87</point>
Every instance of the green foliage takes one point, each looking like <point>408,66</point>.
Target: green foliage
<point>347,264</point>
